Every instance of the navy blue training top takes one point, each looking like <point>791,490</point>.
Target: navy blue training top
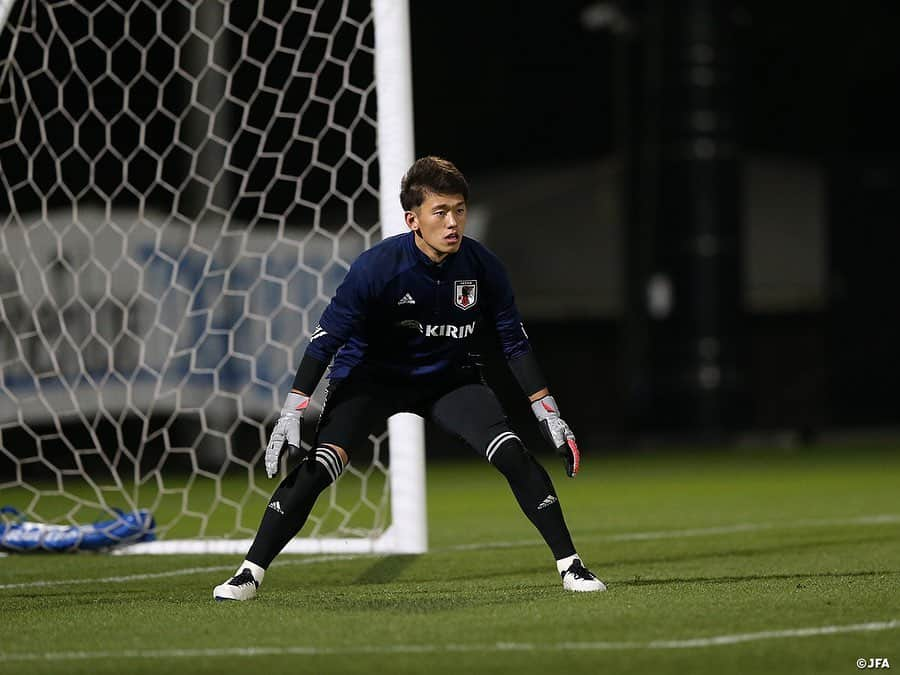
<point>399,315</point>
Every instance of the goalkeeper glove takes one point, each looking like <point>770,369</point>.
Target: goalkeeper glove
<point>286,431</point>
<point>557,433</point>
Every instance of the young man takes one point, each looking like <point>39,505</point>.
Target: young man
<point>401,328</point>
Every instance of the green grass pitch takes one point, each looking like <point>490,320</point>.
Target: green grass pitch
<point>737,561</point>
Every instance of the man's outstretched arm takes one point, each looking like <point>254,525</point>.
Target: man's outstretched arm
<point>286,434</point>
<point>524,366</point>
<point>554,428</point>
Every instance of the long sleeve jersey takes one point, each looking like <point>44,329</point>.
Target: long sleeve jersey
<point>401,316</point>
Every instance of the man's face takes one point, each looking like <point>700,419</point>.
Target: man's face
<point>439,223</point>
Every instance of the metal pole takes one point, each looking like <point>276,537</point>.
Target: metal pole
<point>393,78</point>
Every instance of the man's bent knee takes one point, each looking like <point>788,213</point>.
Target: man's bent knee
<point>340,451</point>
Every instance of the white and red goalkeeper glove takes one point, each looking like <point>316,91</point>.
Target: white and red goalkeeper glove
<point>557,433</point>
<point>286,431</point>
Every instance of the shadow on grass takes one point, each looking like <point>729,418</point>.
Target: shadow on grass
<point>601,564</point>
<point>754,577</point>
<point>408,600</point>
<point>742,552</point>
<point>385,570</point>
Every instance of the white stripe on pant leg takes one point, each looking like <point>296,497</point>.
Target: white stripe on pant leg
<point>324,460</point>
<point>332,463</point>
<point>497,442</point>
<point>332,457</point>
<point>328,467</point>
<point>489,450</point>
<point>338,462</point>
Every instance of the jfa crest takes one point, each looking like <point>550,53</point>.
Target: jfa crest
<point>466,293</point>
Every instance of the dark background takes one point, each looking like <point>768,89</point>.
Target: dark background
<point>503,87</point>
<point>675,102</point>
<point>500,83</point>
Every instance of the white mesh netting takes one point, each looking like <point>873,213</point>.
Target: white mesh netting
<point>183,187</point>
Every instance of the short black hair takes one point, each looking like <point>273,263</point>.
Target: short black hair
<point>431,175</point>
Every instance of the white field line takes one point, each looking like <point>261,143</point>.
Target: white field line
<point>887,518</point>
<point>170,573</point>
<point>487,647</point>
<point>627,536</point>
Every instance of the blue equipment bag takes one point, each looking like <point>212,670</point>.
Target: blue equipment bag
<point>19,535</point>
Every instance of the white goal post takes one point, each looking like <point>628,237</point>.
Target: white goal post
<point>159,272</point>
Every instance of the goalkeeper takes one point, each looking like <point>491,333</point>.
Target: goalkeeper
<point>401,330</point>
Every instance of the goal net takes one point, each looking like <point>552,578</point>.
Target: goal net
<point>184,185</point>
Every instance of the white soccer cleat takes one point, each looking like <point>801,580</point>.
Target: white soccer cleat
<point>580,579</point>
<point>240,587</point>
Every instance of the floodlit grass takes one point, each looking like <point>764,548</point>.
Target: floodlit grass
<point>214,506</point>
<point>692,545</point>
